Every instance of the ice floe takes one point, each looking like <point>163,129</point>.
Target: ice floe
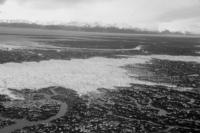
<point>82,75</point>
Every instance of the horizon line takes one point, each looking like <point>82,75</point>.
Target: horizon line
<point>90,26</point>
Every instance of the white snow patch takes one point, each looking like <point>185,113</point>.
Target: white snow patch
<point>177,58</point>
<point>9,93</point>
<point>9,47</point>
<point>82,75</point>
<point>19,45</point>
<point>40,54</point>
<point>58,50</point>
<point>139,47</point>
<point>198,52</point>
<point>169,57</point>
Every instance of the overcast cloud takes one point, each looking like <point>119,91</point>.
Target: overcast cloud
<point>174,15</point>
<point>2,1</point>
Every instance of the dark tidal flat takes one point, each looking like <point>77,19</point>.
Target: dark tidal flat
<point>138,108</point>
<point>83,45</point>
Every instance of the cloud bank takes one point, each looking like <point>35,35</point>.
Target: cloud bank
<point>2,1</point>
<point>150,14</point>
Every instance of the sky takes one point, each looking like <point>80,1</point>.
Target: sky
<point>173,15</point>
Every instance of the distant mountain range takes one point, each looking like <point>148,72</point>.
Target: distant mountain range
<point>83,27</point>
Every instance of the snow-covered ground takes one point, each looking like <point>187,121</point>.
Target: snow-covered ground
<point>82,75</point>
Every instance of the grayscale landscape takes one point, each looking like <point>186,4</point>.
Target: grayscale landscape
<point>84,78</point>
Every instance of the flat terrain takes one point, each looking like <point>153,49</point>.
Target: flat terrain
<point>85,82</point>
